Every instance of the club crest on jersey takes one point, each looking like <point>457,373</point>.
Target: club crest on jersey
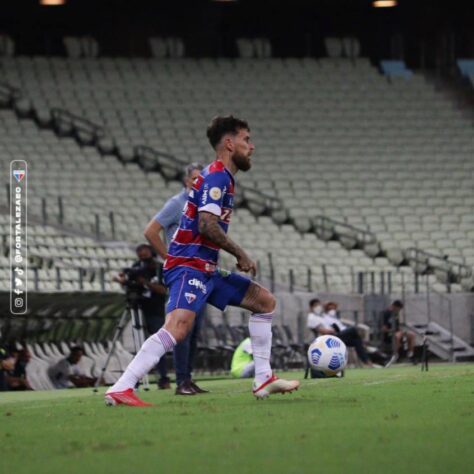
<point>215,193</point>
<point>190,297</point>
<point>198,284</point>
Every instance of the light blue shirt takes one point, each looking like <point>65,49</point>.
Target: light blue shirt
<point>170,214</point>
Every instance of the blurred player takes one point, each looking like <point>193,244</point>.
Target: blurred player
<point>192,275</point>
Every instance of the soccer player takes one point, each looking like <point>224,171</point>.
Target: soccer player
<point>192,275</point>
<point>167,220</point>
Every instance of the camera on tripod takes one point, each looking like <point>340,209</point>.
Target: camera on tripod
<point>133,278</point>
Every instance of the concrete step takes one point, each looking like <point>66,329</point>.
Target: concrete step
<point>440,340</point>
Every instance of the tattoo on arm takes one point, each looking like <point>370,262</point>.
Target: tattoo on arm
<point>209,227</point>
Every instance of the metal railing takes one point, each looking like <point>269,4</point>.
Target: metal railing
<point>330,229</point>
<point>429,262</point>
<point>84,130</point>
<point>8,94</point>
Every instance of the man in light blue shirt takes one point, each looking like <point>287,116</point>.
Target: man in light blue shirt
<point>167,220</point>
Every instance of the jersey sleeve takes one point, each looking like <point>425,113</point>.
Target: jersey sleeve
<point>212,192</point>
<point>167,215</point>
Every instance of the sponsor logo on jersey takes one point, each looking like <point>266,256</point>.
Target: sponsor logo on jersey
<point>204,194</point>
<point>198,284</point>
<point>215,193</point>
<point>190,297</point>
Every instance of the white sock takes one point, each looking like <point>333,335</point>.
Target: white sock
<point>155,347</point>
<point>260,328</point>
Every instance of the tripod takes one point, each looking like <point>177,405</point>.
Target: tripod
<point>134,313</point>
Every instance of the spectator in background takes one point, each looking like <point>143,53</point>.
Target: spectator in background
<point>328,324</point>
<point>315,313</point>
<point>394,334</point>
<point>67,373</point>
<point>242,365</point>
<point>7,364</point>
<point>16,378</point>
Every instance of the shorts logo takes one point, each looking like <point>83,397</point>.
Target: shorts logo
<point>198,284</point>
<point>190,297</point>
<point>215,193</point>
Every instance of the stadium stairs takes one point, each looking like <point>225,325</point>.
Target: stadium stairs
<point>443,343</point>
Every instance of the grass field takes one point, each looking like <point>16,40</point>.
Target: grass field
<point>396,420</point>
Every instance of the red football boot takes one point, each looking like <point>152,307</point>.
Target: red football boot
<point>127,397</point>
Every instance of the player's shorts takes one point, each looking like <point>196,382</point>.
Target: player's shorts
<point>191,289</point>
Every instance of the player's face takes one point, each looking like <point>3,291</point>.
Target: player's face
<point>243,149</point>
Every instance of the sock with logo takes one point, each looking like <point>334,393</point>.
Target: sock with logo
<point>155,347</point>
<point>260,329</point>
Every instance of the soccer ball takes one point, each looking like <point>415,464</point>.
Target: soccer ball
<point>327,354</point>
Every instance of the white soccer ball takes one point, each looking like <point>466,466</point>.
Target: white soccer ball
<point>327,354</point>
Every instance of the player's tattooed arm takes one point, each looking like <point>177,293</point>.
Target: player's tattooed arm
<point>210,229</point>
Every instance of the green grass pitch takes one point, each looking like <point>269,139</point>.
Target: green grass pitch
<point>395,420</point>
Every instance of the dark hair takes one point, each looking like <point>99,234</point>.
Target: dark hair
<point>144,246</point>
<point>314,301</point>
<point>219,126</point>
<point>329,304</point>
<point>397,304</point>
<point>77,349</point>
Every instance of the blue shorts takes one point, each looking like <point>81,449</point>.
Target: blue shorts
<point>191,289</point>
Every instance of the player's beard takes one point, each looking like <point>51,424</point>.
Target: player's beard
<point>242,162</point>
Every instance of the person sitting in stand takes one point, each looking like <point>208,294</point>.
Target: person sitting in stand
<point>327,323</point>
<point>7,364</point>
<point>16,378</point>
<point>394,334</point>
<point>67,373</point>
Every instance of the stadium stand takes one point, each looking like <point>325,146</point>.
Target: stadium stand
<point>340,121</point>
<point>91,185</point>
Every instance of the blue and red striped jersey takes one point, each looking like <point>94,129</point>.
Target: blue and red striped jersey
<point>212,192</point>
